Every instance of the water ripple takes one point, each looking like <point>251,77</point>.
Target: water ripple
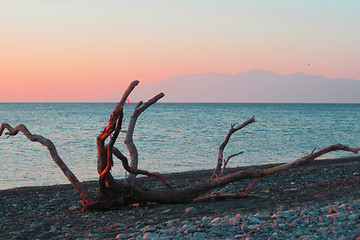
<point>170,137</point>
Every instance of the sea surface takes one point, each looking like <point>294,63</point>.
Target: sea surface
<point>170,137</point>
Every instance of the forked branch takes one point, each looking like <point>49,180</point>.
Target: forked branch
<point>105,160</point>
<point>227,160</point>
<point>218,169</point>
<point>260,173</point>
<point>128,168</point>
<point>114,122</point>
<point>119,193</point>
<point>139,108</point>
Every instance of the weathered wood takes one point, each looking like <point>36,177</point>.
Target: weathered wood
<point>226,161</point>
<point>119,193</point>
<point>218,170</point>
<point>132,170</point>
<point>86,196</point>
<point>105,160</point>
<point>139,108</point>
<point>191,193</point>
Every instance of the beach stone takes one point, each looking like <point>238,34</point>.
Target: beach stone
<point>166,211</point>
<point>212,235</point>
<point>149,221</point>
<point>235,219</point>
<point>238,236</point>
<point>136,235</point>
<point>160,226</point>
<point>41,207</point>
<point>204,225</point>
<point>254,220</point>
<point>216,221</point>
<point>320,224</point>
<point>189,231</point>
<point>93,235</point>
<point>200,235</point>
<point>185,222</point>
<point>327,209</point>
<point>206,218</point>
<point>53,228</point>
<point>342,206</point>
<point>64,229</point>
<point>113,226</point>
<point>330,216</point>
<point>330,209</point>
<point>190,210</point>
<point>340,215</point>
<point>260,215</point>
<point>73,208</point>
<point>121,225</point>
<point>151,235</point>
<point>282,225</point>
<point>275,215</point>
<point>353,217</point>
<point>356,205</point>
<point>148,229</point>
<point>244,226</point>
<point>275,235</point>
<point>288,222</point>
<point>286,214</point>
<point>171,223</point>
<point>121,236</point>
<point>36,224</point>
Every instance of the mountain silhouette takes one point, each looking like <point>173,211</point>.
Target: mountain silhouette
<point>252,86</point>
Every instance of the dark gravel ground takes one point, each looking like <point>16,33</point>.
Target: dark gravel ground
<point>54,212</point>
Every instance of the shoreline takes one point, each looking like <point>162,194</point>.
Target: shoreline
<point>318,199</point>
<point>318,162</point>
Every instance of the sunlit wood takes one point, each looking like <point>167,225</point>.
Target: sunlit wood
<point>114,193</point>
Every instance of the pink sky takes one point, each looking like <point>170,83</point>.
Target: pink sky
<point>83,50</point>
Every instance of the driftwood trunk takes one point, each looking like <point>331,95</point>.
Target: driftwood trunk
<point>116,193</point>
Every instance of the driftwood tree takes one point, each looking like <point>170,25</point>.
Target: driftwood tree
<point>116,193</point>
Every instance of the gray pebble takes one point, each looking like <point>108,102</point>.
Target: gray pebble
<point>121,236</point>
<point>190,210</point>
<point>353,217</point>
<point>254,220</point>
<point>200,235</point>
<point>150,235</point>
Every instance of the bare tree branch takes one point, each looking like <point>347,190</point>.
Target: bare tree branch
<point>86,196</point>
<point>233,129</point>
<point>227,160</point>
<point>119,193</point>
<point>229,196</point>
<point>105,161</point>
<point>128,168</point>
<point>139,108</point>
<point>259,173</point>
<point>189,194</point>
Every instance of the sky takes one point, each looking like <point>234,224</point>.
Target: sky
<point>65,51</point>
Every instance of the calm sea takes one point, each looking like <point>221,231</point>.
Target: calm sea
<point>170,137</point>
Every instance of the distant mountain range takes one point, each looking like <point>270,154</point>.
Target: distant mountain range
<point>251,86</point>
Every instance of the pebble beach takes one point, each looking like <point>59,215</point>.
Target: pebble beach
<point>320,200</point>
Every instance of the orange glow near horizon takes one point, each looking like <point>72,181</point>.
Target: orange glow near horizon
<point>60,52</point>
